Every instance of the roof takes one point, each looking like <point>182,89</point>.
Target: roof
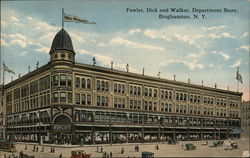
<point>62,41</point>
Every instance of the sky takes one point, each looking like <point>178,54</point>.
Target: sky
<point>208,50</point>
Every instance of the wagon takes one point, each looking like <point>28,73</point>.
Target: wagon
<point>190,147</point>
<point>79,154</point>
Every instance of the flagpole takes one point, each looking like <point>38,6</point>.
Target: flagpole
<point>62,18</point>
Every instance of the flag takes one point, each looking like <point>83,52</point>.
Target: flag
<point>238,76</point>
<point>73,18</point>
<point>8,69</point>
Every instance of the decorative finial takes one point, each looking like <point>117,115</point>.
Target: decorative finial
<point>189,80</point>
<point>29,68</point>
<point>127,67</point>
<point>215,86</point>
<point>159,74</point>
<point>19,75</point>
<point>174,77</point>
<point>202,83</point>
<point>143,70</point>
<point>37,65</point>
<point>112,65</point>
<point>228,88</point>
<point>94,61</point>
<point>11,79</point>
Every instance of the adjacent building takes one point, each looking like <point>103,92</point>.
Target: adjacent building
<point>245,117</point>
<point>2,115</point>
<point>69,102</point>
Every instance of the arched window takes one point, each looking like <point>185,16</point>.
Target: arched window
<point>185,97</point>
<point>83,83</point>
<point>150,92</point>
<point>177,96</point>
<point>106,86</point>
<point>162,93</point>
<point>170,95</point>
<point>181,96</point>
<point>166,94</point>
<point>139,91</point>
<point>191,98</point>
<point>123,88</point>
<point>98,85</point>
<point>155,93</point>
<point>119,88</point>
<point>115,87</point>
<point>103,86</point>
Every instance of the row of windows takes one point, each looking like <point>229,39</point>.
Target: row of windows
<point>62,97</point>
<point>119,102</point>
<point>208,100</point>
<point>102,85</point>
<point>83,99</point>
<point>83,83</point>
<point>167,107</point>
<point>134,90</point>
<point>222,102</point>
<point>135,104</point>
<point>43,116</point>
<point>62,80</point>
<point>181,108</point>
<point>151,92</point>
<point>194,98</point>
<point>166,94</point>
<point>233,103</point>
<point>181,96</point>
<point>102,100</point>
<point>119,88</point>
<point>150,106</point>
<point>135,118</point>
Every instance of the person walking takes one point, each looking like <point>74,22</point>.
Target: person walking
<point>60,156</point>
<point>111,154</point>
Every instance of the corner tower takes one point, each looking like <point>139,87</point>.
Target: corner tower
<point>62,48</point>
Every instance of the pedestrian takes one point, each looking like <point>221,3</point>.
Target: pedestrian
<point>101,149</point>
<point>34,147</point>
<point>25,148</point>
<point>37,149</point>
<point>21,154</point>
<point>60,156</point>
<point>51,149</point>
<point>111,154</point>
<point>122,151</point>
<point>42,149</point>
<point>5,156</point>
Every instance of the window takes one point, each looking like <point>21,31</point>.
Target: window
<point>55,97</point>
<point>98,103</point>
<point>83,99</point>
<point>55,80</point>
<point>155,93</point>
<point>170,95</point>
<point>62,80</point>
<point>77,98</point>
<point>83,83</point>
<point>185,97</point>
<point>123,88</point>
<point>191,98</point>
<point>146,92</point>
<point>69,80</point>
<point>88,83</point>
<point>115,87</point>
<point>98,85</point>
<point>77,82</point>
<point>181,96</point>
<point>177,96</point>
<point>139,91</point>
<point>162,93</point>
<point>119,88</point>
<point>69,97</point>
<point>150,92</point>
<point>63,97</point>
<point>107,86</point>
<point>88,99</point>
<point>131,89</point>
<point>103,85</point>
<point>135,90</point>
<point>177,108</point>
